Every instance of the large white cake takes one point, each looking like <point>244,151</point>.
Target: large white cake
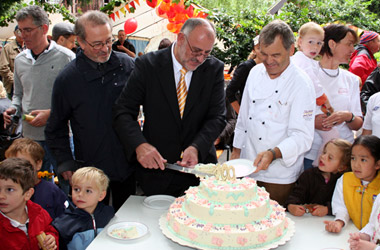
<point>231,214</point>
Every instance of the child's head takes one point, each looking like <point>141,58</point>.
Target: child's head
<point>89,186</point>
<point>310,39</point>
<point>365,157</point>
<point>336,156</point>
<point>16,185</point>
<point>27,149</point>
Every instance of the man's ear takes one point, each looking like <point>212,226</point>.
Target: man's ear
<point>45,28</point>
<point>291,50</point>
<point>28,194</point>
<point>102,195</point>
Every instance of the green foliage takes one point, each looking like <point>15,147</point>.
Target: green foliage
<point>8,14</point>
<point>237,31</point>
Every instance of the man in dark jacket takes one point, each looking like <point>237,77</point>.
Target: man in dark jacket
<point>181,89</point>
<point>123,45</point>
<point>362,60</point>
<point>83,95</point>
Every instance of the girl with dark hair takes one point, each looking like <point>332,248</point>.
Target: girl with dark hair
<point>356,191</point>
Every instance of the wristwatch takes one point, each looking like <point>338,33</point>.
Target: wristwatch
<point>352,118</point>
<point>273,152</point>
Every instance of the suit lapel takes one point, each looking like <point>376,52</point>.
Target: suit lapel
<point>167,82</point>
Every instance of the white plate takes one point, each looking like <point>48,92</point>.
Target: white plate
<point>158,201</point>
<point>243,167</point>
<point>140,228</point>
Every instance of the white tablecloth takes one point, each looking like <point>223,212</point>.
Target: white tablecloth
<point>310,232</point>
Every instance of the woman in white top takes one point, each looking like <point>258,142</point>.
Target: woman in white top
<point>371,124</point>
<point>341,87</point>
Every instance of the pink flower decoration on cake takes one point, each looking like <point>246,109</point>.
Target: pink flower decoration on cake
<point>207,227</point>
<point>241,240</point>
<point>192,235</point>
<point>250,227</point>
<point>167,216</point>
<point>227,206</point>
<point>176,227</point>
<point>192,191</point>
<point>279,232</point>
<point>262,238</point>
<point>227,228</point>
<point>286,224</point>
<point>189,221</point>
<point>217,241</point>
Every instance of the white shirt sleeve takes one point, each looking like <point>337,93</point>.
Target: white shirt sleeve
<point>338,207</point>
<point>368,116</point>
<point>370,227</point>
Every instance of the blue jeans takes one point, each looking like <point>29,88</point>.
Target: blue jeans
<point>49,164</point>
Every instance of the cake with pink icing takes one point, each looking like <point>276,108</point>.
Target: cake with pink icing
<point>232,214</point>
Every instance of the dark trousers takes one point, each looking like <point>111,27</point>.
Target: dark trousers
<point>120,191</point>
<point>277,192</point>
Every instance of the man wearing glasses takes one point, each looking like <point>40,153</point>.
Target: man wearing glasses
<point>181,89</point>
<point>83,94</point>
<point>35,71</point>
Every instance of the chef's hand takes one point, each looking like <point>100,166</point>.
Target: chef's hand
<point>189,158</point>
<point>149,157</point>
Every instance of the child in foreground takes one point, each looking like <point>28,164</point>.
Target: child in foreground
<point>369,237</point>
<point>315,186</point>
<point>21,220</point>
<point>78,228</point>
<point>46,194</point>
<point>356,191</point>
<point>309,44</point>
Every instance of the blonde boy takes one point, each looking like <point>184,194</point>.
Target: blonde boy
<point>21,220</point>
<point>46,193</point>
<point>76,228</point>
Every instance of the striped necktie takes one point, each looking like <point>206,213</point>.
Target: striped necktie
<point>182,92</point>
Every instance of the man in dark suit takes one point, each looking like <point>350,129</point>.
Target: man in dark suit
<point>167,136</point>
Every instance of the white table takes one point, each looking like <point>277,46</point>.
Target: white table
<point>310,231</point>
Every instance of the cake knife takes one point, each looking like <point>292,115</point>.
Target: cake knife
<point>192,170</point>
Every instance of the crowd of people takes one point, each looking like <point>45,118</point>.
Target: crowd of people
<point>299,119</point>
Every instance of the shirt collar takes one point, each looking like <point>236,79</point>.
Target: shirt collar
<point>17,224</point>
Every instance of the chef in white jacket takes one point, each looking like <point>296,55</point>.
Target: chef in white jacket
<point>275,126</point>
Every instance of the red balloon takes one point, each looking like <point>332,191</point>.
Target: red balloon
<point>130,25</point>
<point>151,3</point>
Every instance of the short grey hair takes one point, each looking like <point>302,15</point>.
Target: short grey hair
<point>38,15</point>
<point>192,23</point>
<point>277,28</point>
<point>94,17</point>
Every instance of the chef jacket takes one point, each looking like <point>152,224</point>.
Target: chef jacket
<point>277,113</point>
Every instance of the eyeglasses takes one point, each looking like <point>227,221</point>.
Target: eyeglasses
<point>313,42</point>
<point>198,52</point>
<point>26,30</point>
<point>99,45</point>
